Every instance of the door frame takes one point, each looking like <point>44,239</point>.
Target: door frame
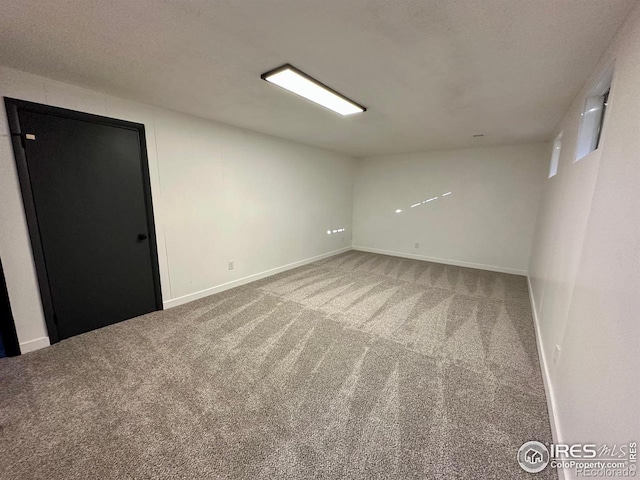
<point>13,106</point>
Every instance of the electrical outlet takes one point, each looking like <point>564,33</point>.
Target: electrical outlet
<point>556,354</point>
<point>231,265</point>
<point>416,245</point>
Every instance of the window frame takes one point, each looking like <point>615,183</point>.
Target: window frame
<point>554,164</point>
<point>593,116</point>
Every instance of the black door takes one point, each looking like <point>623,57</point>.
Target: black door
<point>89,185</point>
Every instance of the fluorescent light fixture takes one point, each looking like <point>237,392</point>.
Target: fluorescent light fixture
<point>399,210</point>
<point>292,79</point>
<point>445,194</point>
<point>328,232</point>
<point>415,205</point>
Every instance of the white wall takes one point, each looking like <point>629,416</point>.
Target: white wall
<point>486,222</point>
<point>219,194</point>
<point>585,264</point>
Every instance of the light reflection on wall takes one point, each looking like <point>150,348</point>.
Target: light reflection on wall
<point>337,230</point>
<point>428,200</point>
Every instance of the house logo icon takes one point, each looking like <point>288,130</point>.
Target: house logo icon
<point>533,457</point>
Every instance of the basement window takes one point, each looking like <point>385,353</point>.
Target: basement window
<point>593,117</point>
<point>555,156</point>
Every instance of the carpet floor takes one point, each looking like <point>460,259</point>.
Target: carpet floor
<point>359,366</point>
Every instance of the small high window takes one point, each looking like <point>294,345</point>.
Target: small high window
<point>555,156</point>
<point>593,116</point>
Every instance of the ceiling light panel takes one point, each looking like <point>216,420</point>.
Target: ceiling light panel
<point>292,79</point>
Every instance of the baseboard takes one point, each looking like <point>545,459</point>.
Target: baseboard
<point>546,378</point>
<point>251,278</point>
<point>446,261</point>
<point>35,344</point>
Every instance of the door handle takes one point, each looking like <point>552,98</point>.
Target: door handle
<point>142,236</point>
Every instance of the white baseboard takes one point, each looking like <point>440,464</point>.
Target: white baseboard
<point>35,344</point>
<point>446,261</point>
<point>251,278</point>
<point>546,378</point>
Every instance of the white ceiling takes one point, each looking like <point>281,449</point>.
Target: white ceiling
<point>432,73</point>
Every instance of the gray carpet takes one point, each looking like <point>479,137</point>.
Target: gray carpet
<point>358,366</point>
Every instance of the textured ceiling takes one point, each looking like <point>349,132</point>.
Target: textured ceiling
<point>431,73</point>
